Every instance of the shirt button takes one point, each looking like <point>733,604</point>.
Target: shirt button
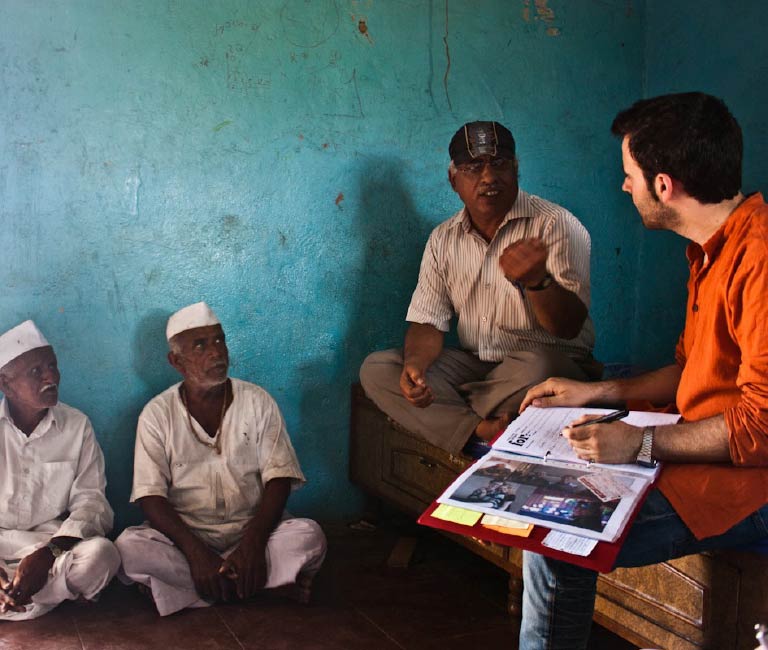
<point>695,308</point>
<point>26,471</point>
<point>485,319</point>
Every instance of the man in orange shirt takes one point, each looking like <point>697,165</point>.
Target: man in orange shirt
<point>682,164</point>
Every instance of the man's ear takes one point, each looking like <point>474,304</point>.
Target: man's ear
<point>665,187</point>
<point>452,179</point>
<point>175,361</point>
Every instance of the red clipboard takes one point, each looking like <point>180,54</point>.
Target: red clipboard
<point>602,558</point>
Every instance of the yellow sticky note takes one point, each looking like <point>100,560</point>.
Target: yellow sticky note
<point>457,515</point>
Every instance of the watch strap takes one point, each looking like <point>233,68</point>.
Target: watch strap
<point>645,455</point>
<point>546,281</point>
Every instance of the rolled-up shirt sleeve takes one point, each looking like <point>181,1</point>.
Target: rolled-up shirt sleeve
<point>569,248</point>
<point>430,303</point>
<point>90,514</point>
<point>151,471</point>
<point>747,421</point>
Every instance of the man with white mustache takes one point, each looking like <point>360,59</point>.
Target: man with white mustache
<point>213,469</point>
<point>53,512</point>
<point>514,269</point>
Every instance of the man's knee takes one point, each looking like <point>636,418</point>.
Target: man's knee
<point>305,534</point>
<point>534,366</point>
<point>135,548</point>
<point>379,368</point>
<point>98,553</point>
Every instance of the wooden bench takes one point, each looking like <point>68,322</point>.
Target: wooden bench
<point>700,601</point>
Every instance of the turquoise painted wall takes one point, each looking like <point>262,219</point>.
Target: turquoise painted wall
<point>714,47</point>
<point>283,160</point>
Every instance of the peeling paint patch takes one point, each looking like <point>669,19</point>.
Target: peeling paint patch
<point>362,27</point>
<point>221,125</point>
<point>339,199</point>
<point>544,13</point>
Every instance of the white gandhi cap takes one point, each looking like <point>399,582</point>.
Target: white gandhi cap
<point>197,315</point>
<point>20,339</point>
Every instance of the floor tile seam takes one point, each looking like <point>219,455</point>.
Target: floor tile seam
<point>379,628</point>
<point>229,629</point>
<point>77,631</point>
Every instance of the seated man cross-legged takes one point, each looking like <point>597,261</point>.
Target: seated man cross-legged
<point>514,269</point>
<point>213,470</point>
<point>53,512</point>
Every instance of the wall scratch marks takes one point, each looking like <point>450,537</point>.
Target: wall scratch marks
<point>447,59</point>
<point>360,114</point>
<point>221,125</point>
<point>132,185</point>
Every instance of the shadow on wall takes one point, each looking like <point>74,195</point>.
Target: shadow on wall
<point>391,234</point>
<point>149,351</point>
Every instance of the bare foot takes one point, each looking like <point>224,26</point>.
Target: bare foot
<point>488,428</point>
<point>299,592</point>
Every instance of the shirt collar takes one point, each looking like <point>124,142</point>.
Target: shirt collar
<point>519,210</point>
<point>709,250</point>
<point>45,425</point>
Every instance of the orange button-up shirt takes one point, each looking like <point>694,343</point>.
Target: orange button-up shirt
<point>723,353</point>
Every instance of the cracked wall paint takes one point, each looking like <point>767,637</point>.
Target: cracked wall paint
<point>263,157</point>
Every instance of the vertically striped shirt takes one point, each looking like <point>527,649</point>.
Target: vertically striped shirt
<point>460,275</point>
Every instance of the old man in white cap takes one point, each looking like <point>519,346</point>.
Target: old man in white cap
<point>212,473</point>
<point>53,512</point>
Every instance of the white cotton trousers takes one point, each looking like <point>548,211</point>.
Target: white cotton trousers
<point>82,571</point>
<point>151,559</point>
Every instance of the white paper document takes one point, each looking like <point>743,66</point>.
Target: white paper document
<point>572,544</point>
<point>537,432</point>
<point>532,475</point>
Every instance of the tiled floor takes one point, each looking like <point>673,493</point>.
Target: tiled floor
<point>446,599</point>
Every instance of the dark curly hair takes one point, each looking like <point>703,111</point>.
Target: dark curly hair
<point>692,137</point>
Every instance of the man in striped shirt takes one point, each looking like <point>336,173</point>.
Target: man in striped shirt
<point>514,269</point>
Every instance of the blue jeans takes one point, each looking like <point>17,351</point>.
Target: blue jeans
<point>559,598</point>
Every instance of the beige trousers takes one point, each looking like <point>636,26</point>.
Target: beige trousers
<point>83,571</point>
<point>151,559</point>
<point>466,389</point>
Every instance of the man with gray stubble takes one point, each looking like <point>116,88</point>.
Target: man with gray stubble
<point>213,470</point>
<point>514,269</point>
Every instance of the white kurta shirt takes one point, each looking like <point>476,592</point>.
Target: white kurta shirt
<point>460,275</point>
<point>51,482</point>
<point>214,494</point>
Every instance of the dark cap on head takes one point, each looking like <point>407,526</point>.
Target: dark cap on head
<point>481,139</point>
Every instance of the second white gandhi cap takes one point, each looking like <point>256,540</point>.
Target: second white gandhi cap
<point>20,339</point>
<point>187,318</point>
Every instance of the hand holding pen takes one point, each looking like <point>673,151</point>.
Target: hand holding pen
<point>602,419</point>
<point>604,439</point>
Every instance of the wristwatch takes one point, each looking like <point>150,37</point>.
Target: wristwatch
<point>644,458</point>
<point>545,282</point>
<point>55,550</point>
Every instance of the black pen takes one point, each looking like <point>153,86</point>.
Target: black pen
<point>608,417</point>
